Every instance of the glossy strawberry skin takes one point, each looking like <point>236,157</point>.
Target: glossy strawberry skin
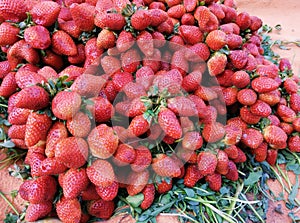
<point>100,208</point>
<point>252,138</point>
<point>141,19</point>
<point>8,85</point>
<point>213,132</point>
<point>275,137</point>
<point>108,193</point>
<point>207,163</point>
<point>124,155</point>
<point>62,43</point>
<point>38,211</point>
<point>56,132</point>
<point>79,125</point>
<point>45,13</point>
<point>68,210</point>
<point>13,10</point>
<point>149,195</point>
<point>216,40</point>
<point>8,34</point>
<point>214,181</point>
<point>137,182</point>
<point>264,84</point>
<point>232,174</point>
<point>192,175</point>
<point>217,63</point>
<point>165,166</point>
<point>38,37</point>
<point>142,160</point>
<point>113,21</point>
<point>83,15</point>
<point>169,123</point>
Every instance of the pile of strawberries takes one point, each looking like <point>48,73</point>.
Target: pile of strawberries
<point>129,96</point>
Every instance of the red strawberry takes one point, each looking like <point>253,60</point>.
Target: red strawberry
<point>124,155</point>
<point>52,60</point>
<point>284,64</point>
<point>83,15</point>
<point>66,104</point>
<point>179,62</point>
<point>158,16</point>
<point>102,109</point>
<point>102,141</point>
<point>165,166</point>
<point>13,10</point>
<point>169,123</point>
<point>213,132</point>
<point>232,152</point>
<point>62,43</point>
<point>164,185</point>
<point>45,13</point>
<point>25,78</point>
<point>197,53</point>
<point>68,210</point>
<point>240,79</point>
<point>142,160</point>
<point>176,11</point>
<point>222,164</point>
<point>101,173</point>
<point>110,64</point>
<point>214,181</point>
<point>4,67</point>
<point>37,127</point>
<point>241,158</point>
<point>270,70</point>
<point>217,63</point>
<point>261,108</point>
<point>187,19</point>
<point>121,79</point>
<point>256,23</point>
<point>295,102</point>
<point>70,28</point>
<point>79,125</point>
<point>182,106</point>
<point>192,175</point>
<point>230,95</point>
<point>290,86</point>
<point>207,21</point>
<point>264,84</point>
<point>234,41</point>
<point>80,57</point>
<point>296,124</point>
<point>125,41</point>
<point>38,37</point>
<point>113,21</point>
<point>106,39</point>
<point>56,132</point>
<point>108,193</point>
<point>216,40</point>
<point>207,162</point>
<point>272,156</point>
<point>8,85</point>
<point>233,134</point>
<point>192,81</point>
<point>51,166</point>
<point>8,34</point>
<point>190,34</point>
<point>247,96</point>
<point>38,211</point>
<point>248,117</point>
<point>74,181</point>
<point>294,143</point>
<point>48,73</point>
<point>137,182</point>
<point>190,5</point>
<point>72,152</point>
<point>192,141</point>
<point>275,137</point>
<point>149,195</point>
<point>89,193</point>
<point>230,28</point>
<point>100,208</point>
<point>145,43</point>
<point>232,174</point>
<point>16,131</point>
<point>286,114</point>
<point>261,152</point>
<point>141,19</point>
<point>252,138</point>
<point>243,20</point>
<point>238,58</point>
<point>18,116</point>
<point>131,59</point>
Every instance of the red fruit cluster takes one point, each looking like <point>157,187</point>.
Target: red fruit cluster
<point>101,100</point>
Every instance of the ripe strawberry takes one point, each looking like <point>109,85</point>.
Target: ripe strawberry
<point>192,141</point>
<point>51,166</point>
<point>240,79</point>
<point>217,63</point>
<point>214,181</point>
<point>192,175</point>
<point>8,85</point>
<point>106,39</point>
<point>213,132</point>
<point>296,125</point>
<point>179,62</point>
<point>165,166</point>
<point>237,122</point>
<point>16,131</point>
<point>110,65</point>
<point>4,67</point>
<point>124,155</point>
<point>108,193</point>
<point>102,141</point>
<point>269,70</point>
<point>142,160</point>
<point>79,125</point>
<point>261,108</point>
<point>190,34</point>
<point>89,193</point>
<point>72,152</point>
<point>207,21</point>
<point>256,23</point>
<point>238,58</point>
<point>38,37</point>
<point>52,60</point>
<point>38,211</point>
<point>248,117</point>
<point>131,59</point>
<point>272,98</point>
<point>272,156</point>
<point>260,152</point>
<point>284,64</point>
<point>8,34</point>
<point>112,21</point>
<point>158,16</point>
<point>79,58</point>
<point>295,102</point>
<point>101,173</point>
<point>164,185</point>
<point>149,195</point>
<point>141,19</point>
<point>294,143</point>
<point>102,109</point>
<point>207,162</point>
<point>217,10</point>
<point>290,86</point>
<point>13,10</point>
<point>222,162</point>
<point>230,95</point>
<point>48,73</point>
<point>198,52</point>
<point>56,132</point>
<point>69,27</point>
<point>153,61</point>
<point>264,84</point>
<point>187,19</point>
<point>233,134</point>
<point>243,20</point>
<point>25,78</point>
<point>230,28</point>
<point>286,114</point>
<point>125,41</point>
<point>176,11</point>
<point>190,5</point>
<point>234,41</point>
<point>231,151</point>
<point>137,182</point>
<point>83,15</point>
<point>100,208</point>
<point>216,40</point>
<point>169,123</point>
<point>45,13</point>
<point>62,43</point>
<point>252,138</point>
<point>18,116</point>
<point>145,43</point>
<point>232,174</point>
<point>247,96</point>
<point>68,210</point>
<point>241,158</point>
<point>74,181</point>
<point>275,137</point>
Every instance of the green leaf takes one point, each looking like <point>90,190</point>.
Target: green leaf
<point>253,178</point>
<point>189,192</point>
<point>7,144</point>
<point>135,200</point>
<point>294,192</point>
<point>11,218</point>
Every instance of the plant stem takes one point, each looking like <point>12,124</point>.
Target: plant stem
<point>9,203</point>
<point>237,193</point>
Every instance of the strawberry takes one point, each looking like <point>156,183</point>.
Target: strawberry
<point>56,132</point>
<point>247,96</point>
<point>13,10</point>
<point>264,84</point>
<point>38,211</point>
<point>179,62</point>
<point>51,166</point>
<point>248,117</point>
<point>290,86</point>
<point>52,60</point>
<point>37,127</point>
<point>145,43</point>
<point>275,137</point>
<point>112,21</point>
<point>38,190</point>
<point>89,193</point>
<point>241,158</point>
<point>217,63</point>
<point>197,53</point>
<point>149,195</point>
<point>294,143</point>
<point>4,67</point>
<point>62,43</point>
<point>25,78</point>
<point>158,16</point>
<point>108,193</point>
<point>270,70</point>
<point>214,181</point>
<point>141,19</point>
<point>207,162</point>
<point>243,20</point>
<point>187,19</point>
<point>45,13</point>
<point>68,210</point>
<point>274,120</point>
<point>192,81</point>
<point>238,58</point>
<point>234,41</point>
<point>72,152</point>
<point>222,162</point>
<point>102,109</point>
<point>284,64</point>
<point>272,156</point>
<point>8,85</point>
<point>256,23</point>
<point>137,182</point>
<point>79,58</point>
<point>110,64</point>
<point>18,116</point>
<point>237,122</point>
<point>182,106</point>
<point>164,185</point>
<point>213,132</point>
<point>79,125</point>
<point>261,108</point>
<point>16,131</point>
<point>207,21</point>
<point>296,124</point>
<point>142,160</point>
<point>106,39</point>
<point>285,113</point>
<point>102,141</point>
<point>101,173</point>
<point>189,5</point>
<point>74,181</point>
<point>252,138</point>
<point>232,174</point>
<point>8,34</point>
<point>233,134</point>
<point>224,79</point>
<point>121,79</point>
<point>230,95</point>
<point>192,141</point>
<point>125,41</point>
<point>157,5</point>
<point>100,208</point>
<point>131,59</point>
<point>165,166</point>
<point>231,151</point>
<point>169,123</point>
<point>295,102</point>
<point>261,152</point>
<point>192,175</point>
<point>38,37</point>
<point>176,11</point>
<point>124,155</point>
<point>83,15</point>
<point>240,79</point>
<point>66,104</point>
<point>69,27</point>
<point>216,40</point>
<point>230,28</point>
<point>48,73</point>
<point>190,34</point>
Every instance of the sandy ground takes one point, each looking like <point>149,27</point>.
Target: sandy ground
<point>272,12</point>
